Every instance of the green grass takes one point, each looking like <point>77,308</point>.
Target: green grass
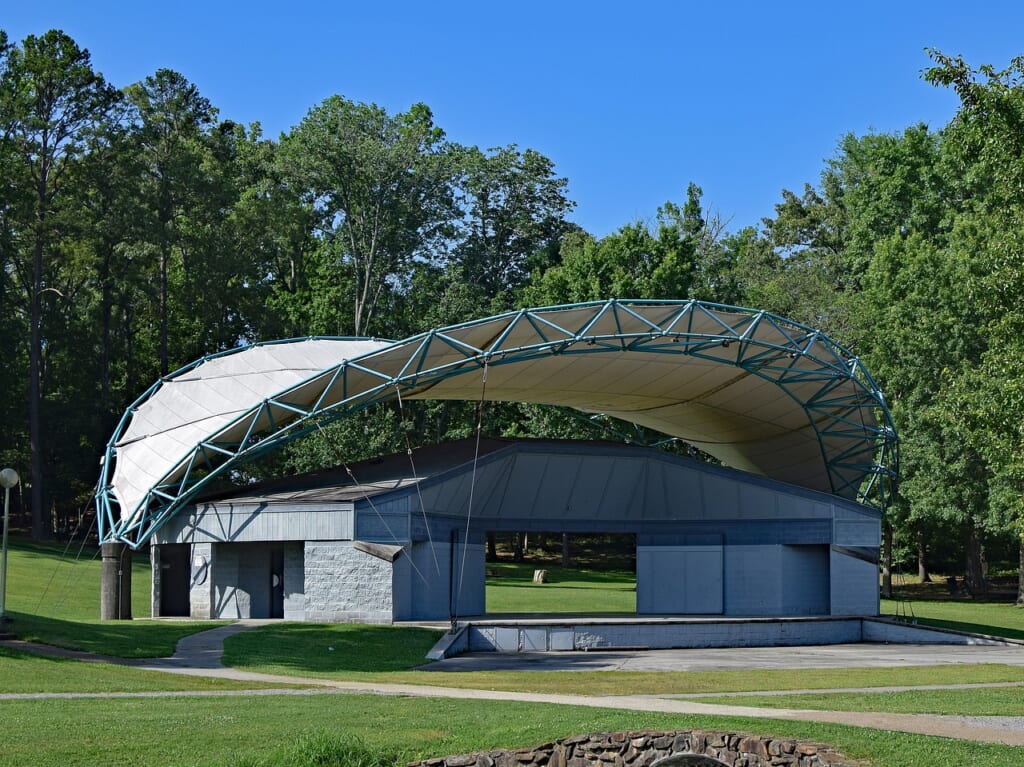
<point>233,731</point>
<point>510,589</point>
<point>334,651</point>
<point>54,598</point>
<point>1003,619</point>
<point>22,672</point>
<point>986,701</point>
<point>261,732</point>
<point>319,748</point>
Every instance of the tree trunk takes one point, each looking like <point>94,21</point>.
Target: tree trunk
<point>975,573</point>
<point>517,548</point>
<point>106,313</point>
<point>1020,576</point>
<point>922,565</point>
<point>492,548</point>
<point>40,526</point>
<point>164,258</point>
<point>887,560</point>
<point>566,562</point>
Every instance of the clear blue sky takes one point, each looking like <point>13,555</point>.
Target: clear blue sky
<point>630,99</point>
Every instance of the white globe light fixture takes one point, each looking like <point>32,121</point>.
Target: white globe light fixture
<point>8,479</point>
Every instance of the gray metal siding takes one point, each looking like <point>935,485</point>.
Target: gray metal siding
<point>681,580</point>
<point>250,523</point>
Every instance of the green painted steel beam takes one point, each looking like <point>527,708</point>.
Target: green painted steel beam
<point>793,358</point>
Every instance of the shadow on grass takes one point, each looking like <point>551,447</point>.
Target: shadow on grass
<point>502,572</point>
<point>564,586</point>
<point>973,628</point>
<point>121,639</point>
<point>326,648</point>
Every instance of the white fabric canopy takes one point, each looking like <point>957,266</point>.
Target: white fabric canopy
<point>760,393</point>
<point>188,408</point>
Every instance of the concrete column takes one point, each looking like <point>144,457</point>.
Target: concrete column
<point>116,582</point>
<point>201,589</point>
<point>154,580</point>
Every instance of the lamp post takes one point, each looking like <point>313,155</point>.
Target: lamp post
<point>8,478</point>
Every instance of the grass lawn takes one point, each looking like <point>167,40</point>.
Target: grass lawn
<point>54,598</point>
<point>997,618</point>
<point>510,589</point>
<point>232,731</point>
<point>56,601</point>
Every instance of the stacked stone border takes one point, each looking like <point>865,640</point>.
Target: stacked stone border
<point>643,748</point>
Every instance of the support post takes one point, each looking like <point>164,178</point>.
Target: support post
<point>116,582</point>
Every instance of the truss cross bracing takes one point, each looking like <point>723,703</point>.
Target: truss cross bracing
<point>761,393</point>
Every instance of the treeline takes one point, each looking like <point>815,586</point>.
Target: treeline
<point>140,229</point>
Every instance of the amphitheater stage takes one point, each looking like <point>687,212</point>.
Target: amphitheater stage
<point>555,634</point>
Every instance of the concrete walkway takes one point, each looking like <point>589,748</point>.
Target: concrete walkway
<point>200,655</point>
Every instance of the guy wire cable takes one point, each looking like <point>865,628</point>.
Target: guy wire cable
<point>416,480</point>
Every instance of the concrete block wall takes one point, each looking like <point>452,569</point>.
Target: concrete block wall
<point>154,581</point>
<point>752,580</point>
<point>294,581</point>
<point>470,598</point>
<point>681,580</point>
<point>804,582</point>
<point>756,632</point>
<point>854,585</point>
<point>421,582</point>
<point>201,591</point>
<point>343,585</point>
<point>884,630</point>
<point>227,603</point>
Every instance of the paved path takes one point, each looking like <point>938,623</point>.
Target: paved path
<point>200,655</point>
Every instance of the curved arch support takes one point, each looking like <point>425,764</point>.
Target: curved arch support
<point>759,392</point>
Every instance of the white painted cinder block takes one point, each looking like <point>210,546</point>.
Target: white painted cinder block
<point>344,585</point>
<point>201,581</point>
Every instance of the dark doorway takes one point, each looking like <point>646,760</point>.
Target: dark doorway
<point>277,582</point>
<point>175,577</point>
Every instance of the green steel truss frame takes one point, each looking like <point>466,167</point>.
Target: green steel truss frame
<point>781,351</point>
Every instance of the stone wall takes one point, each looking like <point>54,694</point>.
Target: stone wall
<point>643,749</point>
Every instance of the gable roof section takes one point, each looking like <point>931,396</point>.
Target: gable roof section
<point>761,393</point>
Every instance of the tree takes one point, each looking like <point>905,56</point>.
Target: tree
<point>514,207</point>
<point>381,186</point>
<point>50,99</point>
<point>983,148</point>
<point>170,118</point>
<point>637,261</point>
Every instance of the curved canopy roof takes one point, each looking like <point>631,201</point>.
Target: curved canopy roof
<point>760,393</point>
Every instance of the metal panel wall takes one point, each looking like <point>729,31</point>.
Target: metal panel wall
<point>681,580</point>
<point>247,523</point>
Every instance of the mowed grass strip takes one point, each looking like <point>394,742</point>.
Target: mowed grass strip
<point>25,673</point>
<point>230,731</point>
<point>985,701</point>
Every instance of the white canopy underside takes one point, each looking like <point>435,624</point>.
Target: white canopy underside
<point>748,422</point>
<point>190,408</point>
